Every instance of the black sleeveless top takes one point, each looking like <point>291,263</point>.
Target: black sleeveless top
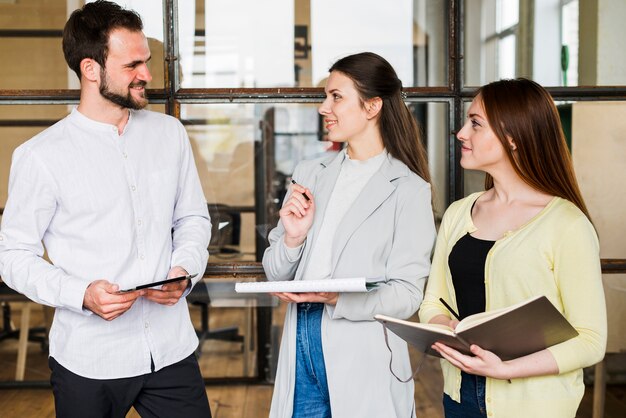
<point>467,267</point>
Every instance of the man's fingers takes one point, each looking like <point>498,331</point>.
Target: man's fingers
<point>115,307</point>
<point>163,297</point>
<point>110,312</point>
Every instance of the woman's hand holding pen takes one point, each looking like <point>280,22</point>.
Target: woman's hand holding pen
<point>445,320</point>
<point>297,215</point>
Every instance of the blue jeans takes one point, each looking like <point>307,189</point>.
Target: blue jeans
<point>311,398</point>
<point>472,399</point>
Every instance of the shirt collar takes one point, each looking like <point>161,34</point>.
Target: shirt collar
<point>84,122</point>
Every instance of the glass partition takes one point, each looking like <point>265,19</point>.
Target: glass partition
<point>292,43</point>
<point>31,36</point>
<point>232,142</point>
<point>554,42</point>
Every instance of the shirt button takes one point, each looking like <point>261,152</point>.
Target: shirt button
<point>488,399</point>
<point>139,222</point>
<point>1,238</point>
<point>133,188</point>
<point>141,256</point>
<point>125,155</point>
<point>147,325</point>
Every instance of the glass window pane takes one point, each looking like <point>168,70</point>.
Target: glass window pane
<point>230,140</point>
<point>30,44</point>
<point>569,48</point>
<point>434,121</point>
<point>509,14</point>
<point>287,43</point>
<point>592,34</point>
<point>506,57</point>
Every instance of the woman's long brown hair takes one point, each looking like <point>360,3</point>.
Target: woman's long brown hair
<point>373,77</point>
<point>524,112</point>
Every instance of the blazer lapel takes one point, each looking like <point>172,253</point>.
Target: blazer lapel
<point>375,192</point>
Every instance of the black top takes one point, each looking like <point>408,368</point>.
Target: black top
<point>467,267</point>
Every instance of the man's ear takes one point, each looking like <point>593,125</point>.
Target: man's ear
<point>373,107</point>
<point>90,69</point>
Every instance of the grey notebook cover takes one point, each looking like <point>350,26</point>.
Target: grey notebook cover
<point>531,327</point>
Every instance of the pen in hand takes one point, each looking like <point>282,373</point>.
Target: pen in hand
<point>449,308</point>
<point>457,317</point>
<point>303,194</point>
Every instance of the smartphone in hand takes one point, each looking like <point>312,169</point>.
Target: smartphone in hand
<point>147,285</point>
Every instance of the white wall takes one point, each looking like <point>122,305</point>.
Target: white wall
<point>598,151</point>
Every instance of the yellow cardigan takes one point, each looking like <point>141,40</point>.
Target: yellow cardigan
<point>555,254</point>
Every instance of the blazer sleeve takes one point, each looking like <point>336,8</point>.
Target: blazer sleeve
<point>406,267</point>
<point>279,261</point>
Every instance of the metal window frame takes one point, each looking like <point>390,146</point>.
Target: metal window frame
<point>455,93</point>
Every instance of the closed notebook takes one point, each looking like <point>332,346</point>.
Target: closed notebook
<point>511,332</point>
<point>355,284</point>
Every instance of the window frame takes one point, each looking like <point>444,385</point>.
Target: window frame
<point>455,93</point>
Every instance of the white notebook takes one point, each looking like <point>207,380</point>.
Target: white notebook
<point>355,284</point>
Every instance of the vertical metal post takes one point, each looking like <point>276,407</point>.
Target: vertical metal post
<point>263,175</point>
<point>455,79</point>
<point>171,70</point>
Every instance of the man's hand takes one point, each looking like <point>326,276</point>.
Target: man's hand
<point>170,293</point>
<point>103,299</point>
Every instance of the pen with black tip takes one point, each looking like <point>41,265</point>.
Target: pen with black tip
<point>449,308</point>
<point>303,194</point>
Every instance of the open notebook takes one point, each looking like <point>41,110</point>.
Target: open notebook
<point>511,332</point>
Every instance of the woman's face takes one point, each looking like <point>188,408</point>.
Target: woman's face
<point>345,117</point>
<point>480,147</point>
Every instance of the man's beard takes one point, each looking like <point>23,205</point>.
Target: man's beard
<point>127,101</point>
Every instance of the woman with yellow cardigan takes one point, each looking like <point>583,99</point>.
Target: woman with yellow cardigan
<point>528,234</point>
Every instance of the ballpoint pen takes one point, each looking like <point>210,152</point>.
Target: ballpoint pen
<point>450,309</point>
<point>303,194</point>
<point>457,317</point>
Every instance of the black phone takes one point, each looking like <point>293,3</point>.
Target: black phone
<point>146,285</point>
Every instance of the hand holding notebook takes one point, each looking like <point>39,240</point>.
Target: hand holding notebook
<point>511,332</point>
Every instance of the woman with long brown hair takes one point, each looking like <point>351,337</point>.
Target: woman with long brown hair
<point>527,234</point>
<point>363,213</point>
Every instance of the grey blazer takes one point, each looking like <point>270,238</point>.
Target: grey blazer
<point>388,233</point>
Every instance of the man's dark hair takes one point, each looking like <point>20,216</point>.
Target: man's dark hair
<point>86,33</point>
